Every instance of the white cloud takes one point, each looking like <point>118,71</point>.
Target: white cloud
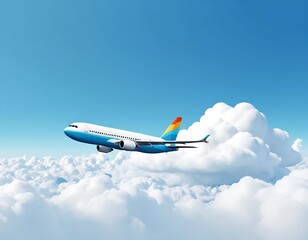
<point>298,145</point>
<point>182,195</point>
<point>147,208</point>
<point>241,144</point>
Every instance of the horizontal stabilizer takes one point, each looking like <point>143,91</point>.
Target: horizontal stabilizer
<point>206,137</point>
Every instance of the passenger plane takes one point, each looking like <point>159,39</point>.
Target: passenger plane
<point>106,139</point>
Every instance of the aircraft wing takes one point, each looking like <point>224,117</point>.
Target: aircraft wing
<point>172,142</point>
<point>115,141</point>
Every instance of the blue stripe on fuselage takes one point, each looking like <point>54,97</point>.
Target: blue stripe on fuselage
<point>92,138</point>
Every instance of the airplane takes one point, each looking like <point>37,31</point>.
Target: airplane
<point>106,139</point>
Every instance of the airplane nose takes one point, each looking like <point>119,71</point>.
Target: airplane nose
<point>66,131</point>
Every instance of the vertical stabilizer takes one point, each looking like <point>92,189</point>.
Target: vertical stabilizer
<point>173,130</point>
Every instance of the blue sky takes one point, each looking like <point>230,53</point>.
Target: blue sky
<point>138,64</point>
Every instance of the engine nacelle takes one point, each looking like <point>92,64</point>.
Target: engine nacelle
<point>127,145</point>
<point>104,149</point>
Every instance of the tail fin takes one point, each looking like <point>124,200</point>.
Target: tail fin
<point>173,130</point>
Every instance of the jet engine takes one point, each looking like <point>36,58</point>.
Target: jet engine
<point>127,145</point>
<point>104,149</point>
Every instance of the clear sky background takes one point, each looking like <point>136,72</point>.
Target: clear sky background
<point>138,64</point>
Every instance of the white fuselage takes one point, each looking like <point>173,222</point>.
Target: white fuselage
<point>107,138</point>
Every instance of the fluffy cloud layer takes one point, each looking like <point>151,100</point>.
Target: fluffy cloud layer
<point>147,208</point>
<point>239,186</point>
<point>241,144</point>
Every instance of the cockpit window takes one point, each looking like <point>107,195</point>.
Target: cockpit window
<point>74,126</point>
